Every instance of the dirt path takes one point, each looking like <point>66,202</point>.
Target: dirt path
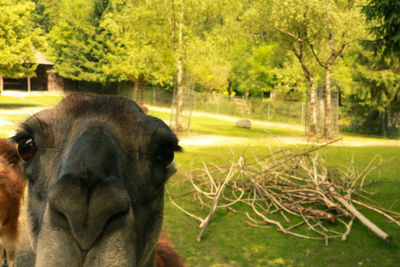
<point>208,140</point>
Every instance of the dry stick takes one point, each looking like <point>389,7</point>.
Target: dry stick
<point>378,211</point>
<point>215,203</point>
<point>368,171</point>
<point>183,210</point>
<point>394,202</point>
<point>200,200</point>
<point>198,189</point>
<point>292,156</point>
<point>371,200</point>
<point>315,230</point>
<point>263,217</point>
<point>256,225</point>
<point>295,225</point>
<point>269,220</point>
<point>320,214</point>
<point>212,182</point>
<point>254,221</point>
<point>348,227</point>
<point>361,217</point>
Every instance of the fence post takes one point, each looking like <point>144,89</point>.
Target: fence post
<point>243,104</point>
<point>302,113</point>
<point>194,100</point>
<point>218,104</point>
<point>154,95</point>
<point>268,108</point>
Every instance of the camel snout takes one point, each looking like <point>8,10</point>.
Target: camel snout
<point>89,197</point>
<point>87,212</point>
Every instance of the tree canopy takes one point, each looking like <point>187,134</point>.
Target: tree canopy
<point>19,37</point>
<point>297,48</point>
<point>384,16</point>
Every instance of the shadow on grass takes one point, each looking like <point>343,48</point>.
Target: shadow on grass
<point>18,105</point>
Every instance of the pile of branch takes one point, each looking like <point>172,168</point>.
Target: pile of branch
<point>287,190</point>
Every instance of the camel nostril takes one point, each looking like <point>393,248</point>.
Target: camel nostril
<point>59,219</point>
<point>84,254</point>
<point>116,220</point>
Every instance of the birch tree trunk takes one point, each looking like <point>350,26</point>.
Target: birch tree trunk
<point>135,88</point>
<point>312,129</point>
<point>179,77</point>
<point>327,133</point>
<point>29,84</point>
<point>328,103</point>
<point>313,107</point>
<point>1,85</point>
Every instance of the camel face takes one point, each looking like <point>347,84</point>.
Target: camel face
<point>96,167</point>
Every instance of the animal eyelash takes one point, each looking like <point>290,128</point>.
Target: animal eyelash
<point>20,136</point>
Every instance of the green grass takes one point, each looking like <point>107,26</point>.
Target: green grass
<point>230,242</point>
<point>11,102</point>
<point>212,126</point>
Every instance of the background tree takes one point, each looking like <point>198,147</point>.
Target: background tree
<point>384,15</point>
<point>293,24</point>
<point>18,39</point>
<point>337,24</point>
<point>78,43</point>
<point>375,102</point>
<point>254,71</point>
<point>188,24</point>
<point>317,32</point>
<point>134,36</point>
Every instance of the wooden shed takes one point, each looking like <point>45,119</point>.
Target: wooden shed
<point>40,82</point>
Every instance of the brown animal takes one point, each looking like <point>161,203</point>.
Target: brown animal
<point>144,108</point>
<point>166,253</point>
<point>11,191</point>
<point>96,168</point>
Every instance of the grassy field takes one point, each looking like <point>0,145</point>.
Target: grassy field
<point>230,242</point>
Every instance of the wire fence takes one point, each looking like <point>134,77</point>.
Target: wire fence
<point>264,109</point>
<point>320,106</point>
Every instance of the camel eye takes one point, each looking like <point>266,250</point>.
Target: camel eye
<point>165,157</point>
<point>26,149</point>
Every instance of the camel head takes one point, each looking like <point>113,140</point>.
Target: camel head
<point>96,168</point>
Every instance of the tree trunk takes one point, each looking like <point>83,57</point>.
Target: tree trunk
<point>313,107</point>
<point>328,103</point>
<point>179,95</point>
<point>139,91</point>
<point>136,94</point>
<point>29,84</point>
<point>312,130</point>
<point>1,85</point>
<point>179,78</point>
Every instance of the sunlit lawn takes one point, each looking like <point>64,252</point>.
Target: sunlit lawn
<point>228,240</point>
<point>9,104</point>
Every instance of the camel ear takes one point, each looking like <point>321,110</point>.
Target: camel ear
<point>172,168</point>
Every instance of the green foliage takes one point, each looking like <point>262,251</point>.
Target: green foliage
<point>135,35</point>
<point>46,13</point>
<point>384,15</point>
<point>375,103</point>
<point>77,43</point>
<point>254,72</point>
<point>18,39</point>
